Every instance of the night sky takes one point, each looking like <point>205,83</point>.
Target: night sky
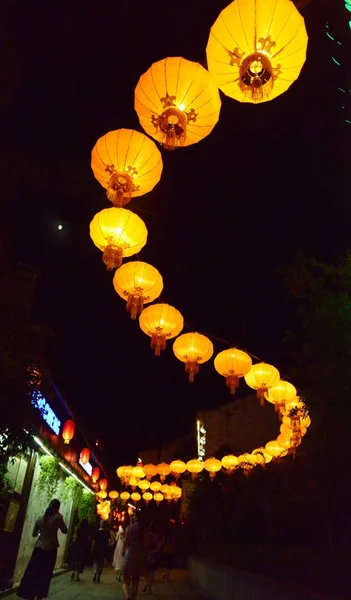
<point>229,211</point>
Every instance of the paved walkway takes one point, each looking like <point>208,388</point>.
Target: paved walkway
<point>62,588</point>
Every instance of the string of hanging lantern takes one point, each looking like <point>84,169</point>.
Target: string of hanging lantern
<point>178,104</point>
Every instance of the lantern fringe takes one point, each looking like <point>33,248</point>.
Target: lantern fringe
<point>112,257</point>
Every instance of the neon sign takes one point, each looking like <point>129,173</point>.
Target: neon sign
<point>348,7</point>
<point>87,467</point>
<point>46,411</point>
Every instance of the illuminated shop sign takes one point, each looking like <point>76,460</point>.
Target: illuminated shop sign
<point>201,440</point>
<point>88,468</point>
<point>46,411</point>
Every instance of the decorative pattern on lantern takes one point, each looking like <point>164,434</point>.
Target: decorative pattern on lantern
<point>85,456</point>
<point>177,102</point>
<point>177,468</point>
<point>95,474</point>
<point>194,466</point>
<point>103,484</point>
<point>163,469</point>
<point>261,377</point>
<point>193,349</point>
<point>119,233</point>
<point>280,394</point>
<point>150,471</point>
<point>139,283</point>
<point>68,431</point>
<point>161,322</point>
<point>127,164</point>
<point>256,49</point>
<point>213,465</point>
<point>232,364</point>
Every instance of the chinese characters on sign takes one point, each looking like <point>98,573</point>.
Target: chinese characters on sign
<point>47,413</point>
<point>201,440</point>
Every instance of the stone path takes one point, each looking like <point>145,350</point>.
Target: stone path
<point>62,588</point>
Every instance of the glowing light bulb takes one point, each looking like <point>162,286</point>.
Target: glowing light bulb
<point>59,227</point>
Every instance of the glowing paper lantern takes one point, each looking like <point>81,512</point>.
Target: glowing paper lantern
<point>194,466</point>
<point>138,283</point>
<point>144,484</point>
<point>262,456</point>
<point>119,233</point>
<point>155,486</point>
<point>161,322</point>
<point>230,462</point>
<point>150,471</point>
<point>158,497</point>
<point>127,164</point>
<point>138,472</point>
<point>257,49</point>
<point>68,431</point>
<point>95,474</point>
<point>177,467</point>
<point>135,496</point>
<point>103,484</point>
<point>280,394</point>
<point>213,465</point>
<point>85,456</point>
<point>275,449</point>
<point>147,497</point>
<point>124,496</point>
<point>113,495</point>
<point>133,482</point>
<point>232,364</point>
<point>163,469</point>
<point>193,349</point>
<point>262,377</point>
<point>177,102</point>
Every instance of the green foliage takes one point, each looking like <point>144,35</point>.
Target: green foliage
<point>5,487</point>
<point>87,507</point>
<point>49,476</point>
<point>72,490</point>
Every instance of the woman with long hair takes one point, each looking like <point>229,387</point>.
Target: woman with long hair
<point>133,566</point>
<point>36,580</point>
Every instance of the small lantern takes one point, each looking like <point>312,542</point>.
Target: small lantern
<point>150,471</point>
<point>262,377</point>
<point>193,349</point>
<point>85,456</point>
<point>147,496</point>
<point>155,486</point>
<point>163,469</point>
<point>138,283</point>
<point>138,472</point>
<point>135,496</point>
<point>177,467</point>
<point>124,496</point>
<point>103,484</point>
<point>230,462</point>
<point>280,394</point>
<point>113,495</point>
<point>275,449</point>
<point>144,484</point>
<point>161,322</point>
<point>68,431</point>
<point>158,497</point>
<point>95,474</point>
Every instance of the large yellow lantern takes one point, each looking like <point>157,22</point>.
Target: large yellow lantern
<point>213,465</point>
<point>163,469</point>
<point>150,471</point>
<point>138,472</point>
<point>261,377</point>
<point>161,322</point>
<point>261,456</point>
<point>124,496</point>
<point>194,466</point>
<point>158,497</point>
<point>280,394</point>
<point>177,102</point>
<point>257,49</point>
<point>119,233</point>
<point>193,349</point>
<point>232,364</point>
<point>138,283</point>
<point>177,468</point>
<point>275,449</point>
<point>230,462</point>
<point>127,163</point>
<point>144,484</point>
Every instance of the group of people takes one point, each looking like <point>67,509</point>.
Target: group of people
<point>139,550</point>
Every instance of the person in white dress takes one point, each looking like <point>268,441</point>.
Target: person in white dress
<point>117,556</point>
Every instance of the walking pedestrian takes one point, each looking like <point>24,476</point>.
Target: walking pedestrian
<point>152,548</point>
<point>133,566</point>
<point>118,553</point>
<point>99,551</point>
<point>169,552</point>
<point>80,549</point>
<point>37,577</point>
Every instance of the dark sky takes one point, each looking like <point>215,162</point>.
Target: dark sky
<point>228,212</point>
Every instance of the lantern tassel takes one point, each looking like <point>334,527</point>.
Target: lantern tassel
<point>112,257</point>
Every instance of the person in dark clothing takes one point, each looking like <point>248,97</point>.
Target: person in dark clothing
<point>80,548</point>
<point>99,551</point>
<point>36,580</point>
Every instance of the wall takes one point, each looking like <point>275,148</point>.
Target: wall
<point>36,507</point>
<point>219,582</point>
<point>241,425</point>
